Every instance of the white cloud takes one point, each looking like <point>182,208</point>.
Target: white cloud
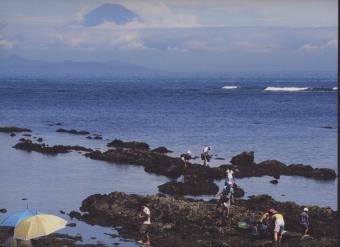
<point>331,44</point>
<point>92,40</point>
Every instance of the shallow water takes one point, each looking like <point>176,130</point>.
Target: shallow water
<point>179,113</point>
<point>60,182</point>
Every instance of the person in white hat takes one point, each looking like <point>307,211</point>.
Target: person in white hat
<point>304,221</point>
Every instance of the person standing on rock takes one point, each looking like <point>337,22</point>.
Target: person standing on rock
<point>304,221</point>
<point>186,157</point>
<point>226,198</point>
<point>205,155</point>
<point>144,230</point>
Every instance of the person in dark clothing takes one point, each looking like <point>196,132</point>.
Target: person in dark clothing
<point>226,198</point>
<point>186,157</point>
<point>304,221</point>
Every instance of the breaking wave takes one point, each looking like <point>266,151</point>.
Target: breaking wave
<point>230,87</point>
<point>286,89</point>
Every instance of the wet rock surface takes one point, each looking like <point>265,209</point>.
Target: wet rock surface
<point>28,145</point>
<point>153,162</point>
<point>193,188</point>
<point>189,222</point>
<point>10,129</point>
<point>133,144</point>
<point>52,240</point>
<point>73,132</point>
<point>243,165</point>
<point>244,159</point>
<point>162,150</point>
<point>276,168</point>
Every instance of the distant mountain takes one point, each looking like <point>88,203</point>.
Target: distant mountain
<point>17,66</point>
<point>115,13</point>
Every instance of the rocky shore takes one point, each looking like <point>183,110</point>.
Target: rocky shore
<point>178,221</point>
<point>243,164</point>
<point>13,129</point>
<point>28,145</point>
<point>73,132</point>
<point>52,240</point>
<point>198,179</point>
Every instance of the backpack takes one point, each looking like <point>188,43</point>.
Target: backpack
<point>226,191</point>
<point>202,156</point>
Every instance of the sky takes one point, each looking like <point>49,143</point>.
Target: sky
<point>187,35</point>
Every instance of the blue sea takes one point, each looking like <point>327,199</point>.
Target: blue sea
<point>278,115</point>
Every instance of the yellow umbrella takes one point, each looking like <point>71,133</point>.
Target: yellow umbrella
<point>38,225</point>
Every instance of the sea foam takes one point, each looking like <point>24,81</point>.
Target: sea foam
<point>229,87</point>
<point>286,89</point>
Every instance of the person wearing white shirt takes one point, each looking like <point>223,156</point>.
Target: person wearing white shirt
<point>205,155</point>
<point>145,217</point>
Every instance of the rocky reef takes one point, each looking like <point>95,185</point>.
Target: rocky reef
<point>193,188</point>
<point>162,150</point>
<point>73,132</point>
<point>12,129</point>
<point>178,221</point>
<point>52,240</point>
<point>243,164</point>
<point>153,162</point>
<point>28,145</point>
<point>135,145</point>
<point>246,167</point>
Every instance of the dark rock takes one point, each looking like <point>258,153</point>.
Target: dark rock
<point>274,181</point>
<point>10,129</point>
<point>24,199</point>
<point>194,188</point>
<point>62,212</point>
<point>308,171</point>
<point>12,134</point>
<point>27,135</point>
<point>238,191</point>
<point>135,145</point>
<point>3,210</point>
<point>243,159</point>
<point>98,137</point>
<point>58,124</point>
<point>89,137</point>
<point>276,168</point>
<point>189,222</point>
<point>28,145</point>
<point>162,150</point>
<point>73,132</point>
<point>327,127</point>
<point>219,158</point>
<point>40,140</point>
<point>277,176</point>
<point>75,214</point>
<point>71,225</point>
<point>153,162</point>
<point>171,167</point>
